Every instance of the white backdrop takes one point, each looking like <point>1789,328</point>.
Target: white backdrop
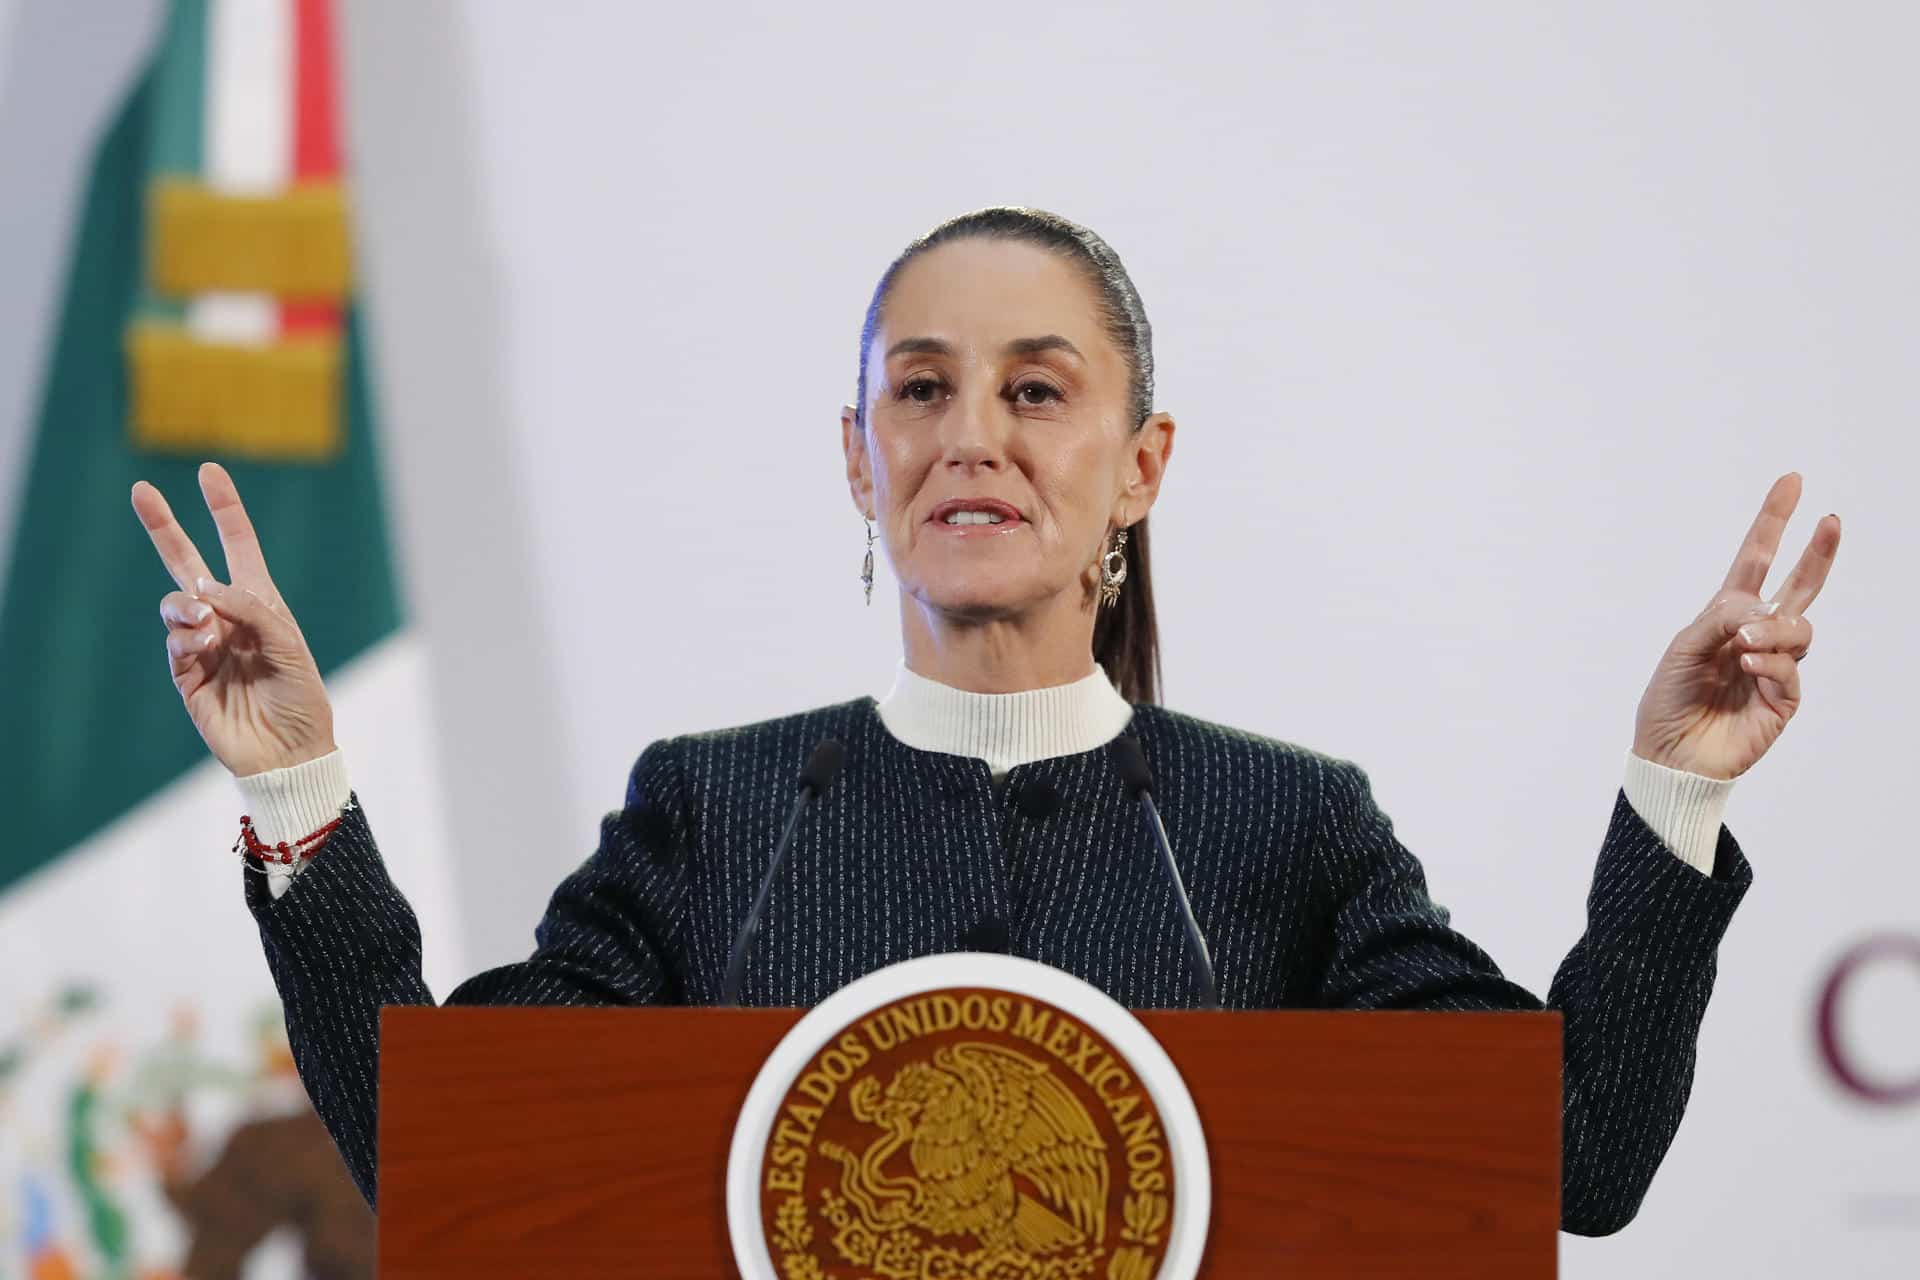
<point>1486,326</point>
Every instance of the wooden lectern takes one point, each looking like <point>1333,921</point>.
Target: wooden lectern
<point>593,1142</point>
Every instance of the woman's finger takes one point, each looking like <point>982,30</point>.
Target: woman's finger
<point>1810,571</point>
<point>178,609</point>
<point>185,648</point>
<point>1748,572</point>
<point>191,644</point>
<point>176,549</point>
<point>246,564</point>
<point>1778,634</point>
<point>1777,667</point>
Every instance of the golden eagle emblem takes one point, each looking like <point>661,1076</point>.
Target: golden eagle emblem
<point>999,1149</point>
<point>963,1133</point>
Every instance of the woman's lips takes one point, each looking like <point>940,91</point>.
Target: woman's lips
<point>1009,517</point>
<point>977,530</point>
<point>991,506</point>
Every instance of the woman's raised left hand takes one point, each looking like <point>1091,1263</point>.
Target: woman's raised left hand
<point>1730,681</point>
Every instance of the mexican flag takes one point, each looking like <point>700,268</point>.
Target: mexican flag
<point>149,1121</point>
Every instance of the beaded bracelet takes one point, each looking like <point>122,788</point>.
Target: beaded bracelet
<point>250,845</point>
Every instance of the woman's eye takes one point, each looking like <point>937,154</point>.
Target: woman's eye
<point>920,390</point>
<point>1035,393</point>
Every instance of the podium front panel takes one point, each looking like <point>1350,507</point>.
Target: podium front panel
<point>593,1142</point>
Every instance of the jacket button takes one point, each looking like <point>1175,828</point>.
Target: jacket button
<point>1038,799</point>
<point>990,934</point>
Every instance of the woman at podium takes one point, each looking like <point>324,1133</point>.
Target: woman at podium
<point>1004,451</point>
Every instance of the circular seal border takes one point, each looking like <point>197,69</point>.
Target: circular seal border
<point>1186,1140</point>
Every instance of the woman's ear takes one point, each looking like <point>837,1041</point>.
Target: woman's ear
<point>1148,451</point>
<point>859,470</point>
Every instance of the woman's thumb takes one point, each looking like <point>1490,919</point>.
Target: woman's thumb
<point>1729,616</point>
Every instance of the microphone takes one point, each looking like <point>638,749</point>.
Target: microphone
<point>823,766</point>
<point>1131,761</point>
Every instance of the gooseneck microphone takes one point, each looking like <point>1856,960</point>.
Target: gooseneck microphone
<point>1131,761</point>
<point>823,766</point>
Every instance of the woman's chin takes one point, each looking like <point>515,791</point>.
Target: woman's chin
<point>978,596</point>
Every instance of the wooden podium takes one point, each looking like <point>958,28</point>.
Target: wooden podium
<point>593,1142</point>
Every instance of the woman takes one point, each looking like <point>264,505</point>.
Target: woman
<point>1003,442</point>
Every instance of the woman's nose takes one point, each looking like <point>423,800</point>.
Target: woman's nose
<point>976,438</point>
<point>972,456</point>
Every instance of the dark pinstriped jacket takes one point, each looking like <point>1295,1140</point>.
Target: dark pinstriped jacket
<point>1306,897</point>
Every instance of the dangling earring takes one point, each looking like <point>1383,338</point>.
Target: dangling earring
<point>1113,568</point>
<point>866,569</point>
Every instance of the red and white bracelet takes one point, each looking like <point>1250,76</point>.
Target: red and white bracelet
<point>283,853</point>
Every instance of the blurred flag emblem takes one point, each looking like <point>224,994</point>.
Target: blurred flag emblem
<point>235,346</point>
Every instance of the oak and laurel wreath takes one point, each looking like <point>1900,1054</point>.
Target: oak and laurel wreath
<point>791,1235</point>
<point>1144,1214</point>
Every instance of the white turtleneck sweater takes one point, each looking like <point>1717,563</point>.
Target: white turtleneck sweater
<point>1004,729</point>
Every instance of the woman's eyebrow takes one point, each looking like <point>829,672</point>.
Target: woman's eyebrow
<point>1018,347</point>
<point>1034,346</point>
<point>920,347</point>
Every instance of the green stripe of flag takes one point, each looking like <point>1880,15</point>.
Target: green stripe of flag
<point>180,91</point>
<point>178,131</point>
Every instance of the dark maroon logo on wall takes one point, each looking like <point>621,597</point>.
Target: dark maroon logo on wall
<point>1884,949</point>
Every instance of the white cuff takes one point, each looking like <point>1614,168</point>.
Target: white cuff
<point>1684,809</point>
<point>286,804</point>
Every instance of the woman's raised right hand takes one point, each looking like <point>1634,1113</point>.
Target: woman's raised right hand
<point>241,665</point>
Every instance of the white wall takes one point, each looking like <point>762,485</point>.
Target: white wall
<point>1487,327</point>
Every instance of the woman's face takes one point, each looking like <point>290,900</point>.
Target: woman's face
<point>998,448</point>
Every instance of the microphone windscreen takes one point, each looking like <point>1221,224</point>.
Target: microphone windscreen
<point>1131,761</point>
<point>990,934</point>
<point>823,766</point>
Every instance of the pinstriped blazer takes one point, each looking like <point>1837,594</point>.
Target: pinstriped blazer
<point>1306,897</point>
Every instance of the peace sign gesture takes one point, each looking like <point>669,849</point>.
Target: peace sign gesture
<point>1730,681</point>
<point>241,665</point>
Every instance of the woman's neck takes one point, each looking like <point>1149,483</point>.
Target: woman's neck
<point>1041,649</point>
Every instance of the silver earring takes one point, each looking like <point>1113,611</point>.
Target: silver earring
<point>866,569</point>
<point>1113,568</point>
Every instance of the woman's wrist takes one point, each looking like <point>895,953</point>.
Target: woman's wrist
<point>1684,809</point>
<point>291,802</point>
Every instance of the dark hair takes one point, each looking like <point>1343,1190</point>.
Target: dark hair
<point>1126,639</point>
